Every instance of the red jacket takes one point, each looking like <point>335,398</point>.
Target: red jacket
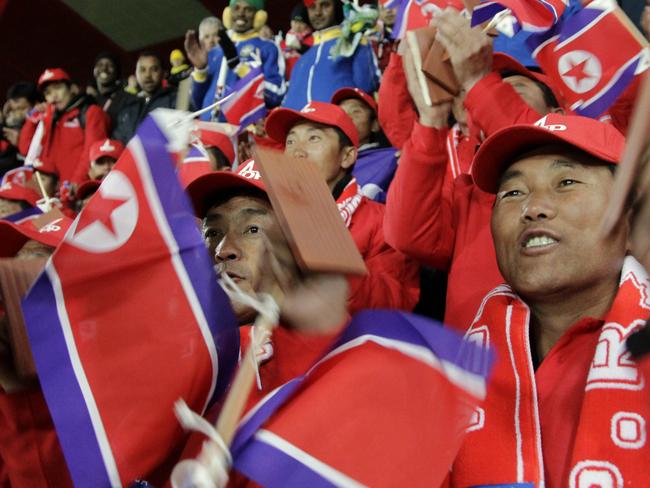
<point>396,111</point>
<point>445,222</point>
<point>65,143</point>
<point>393,278</point>
<point>29,447</point>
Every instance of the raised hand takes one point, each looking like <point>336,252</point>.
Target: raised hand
<point>197,55</point>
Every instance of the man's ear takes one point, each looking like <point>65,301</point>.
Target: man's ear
<point>558,110</point>
<point>348,157</point>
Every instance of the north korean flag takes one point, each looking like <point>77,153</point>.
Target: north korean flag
<point>414,14</point>
<point>387,406</point>
<point>196,163</point>
<point>246,106</point>
<point>592,56</point>
<point>531,15</point>
<point>127,318</point>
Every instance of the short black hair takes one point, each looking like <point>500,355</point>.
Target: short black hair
<point>152,54</point>
<point>23,89</point>
<point>549,98</point>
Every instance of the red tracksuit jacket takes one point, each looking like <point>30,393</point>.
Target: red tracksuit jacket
<point>66,143</point>
<point>445,222</point>
<point>393,278</point>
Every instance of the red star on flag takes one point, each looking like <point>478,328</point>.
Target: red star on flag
<point>577,71</point>
<point>100,209</point>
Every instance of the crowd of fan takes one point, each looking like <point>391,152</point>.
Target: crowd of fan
<point>476,192</point>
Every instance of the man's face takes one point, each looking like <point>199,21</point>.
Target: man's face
<point>530,92</point>
<point>105,72</point>
<point>363,117</point>
<point>322,14</point>
<point>15,111</point>
<point>209,36</point>
<point>235,232</point>
<point>320,144</point>
<point>149,74</point>
<point>243,16</point>
<point>101,167</point>
<point>546,224</point>
<point>298,26</point>
<point>58,93</point>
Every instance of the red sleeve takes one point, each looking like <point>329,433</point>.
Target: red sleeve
<point>396,111</point>
<point>419,205</point>
<point>482,117</point>
<point>393,279</point>
<point>29,445</point>
<point>26,134</point>
<point>97,129</point>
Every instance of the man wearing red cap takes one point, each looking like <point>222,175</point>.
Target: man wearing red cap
<point>435,213</point>
<point>323,133</point>
<point>376,160</point>
<point>71,124</point>
<point>16,194</point>
<point>103,156</point>
<point>559,325</point>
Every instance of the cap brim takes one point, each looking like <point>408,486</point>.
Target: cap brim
<point>280,122</point>
<point>499,150</point>
<point>206,189</point>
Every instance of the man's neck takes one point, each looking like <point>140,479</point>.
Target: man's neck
<point>552,316</point>
<point>106,89</point>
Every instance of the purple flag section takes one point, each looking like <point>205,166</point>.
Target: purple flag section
<point>247,105</point>
<point>127,318</point>
<point>372,412</point>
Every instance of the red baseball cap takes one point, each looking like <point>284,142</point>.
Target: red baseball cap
<point>350,92</point>
<point>211,138</point>
<point>202,191</point>
<point>106,148</point>
<point>499,150</point>
<point>48,228</point>
<point>50,75</point>
<point>14,186</point>
<point>281,120</point>
<point>502,63</point>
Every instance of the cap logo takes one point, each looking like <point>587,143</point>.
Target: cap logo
<point>307,109</point>
<point>6,186</point>
<point>550,127</point>
<point>48,74</point>
<point>107,146</point>
<point>51,226</point>
<point>249,172</point>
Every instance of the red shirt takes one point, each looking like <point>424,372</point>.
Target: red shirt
<point>561,380</point>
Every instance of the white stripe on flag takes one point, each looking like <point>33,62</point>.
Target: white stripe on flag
<point>165,231</point>
<point>82,380</point>
<point>329,473</point>
<point>470,382</point>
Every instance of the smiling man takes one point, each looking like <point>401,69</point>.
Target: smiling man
<point>559,325</point>
<point>243,19</point>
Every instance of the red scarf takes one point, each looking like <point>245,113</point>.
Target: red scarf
<point>503,444</point>
<point>349,201</point>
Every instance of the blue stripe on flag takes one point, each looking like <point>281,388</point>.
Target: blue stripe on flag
<point>62,392</point>
<point>22,215</point>
<point>278,468</point>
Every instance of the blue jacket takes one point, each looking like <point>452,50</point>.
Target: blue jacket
<point>316,75</point>
<point>204,85</point>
